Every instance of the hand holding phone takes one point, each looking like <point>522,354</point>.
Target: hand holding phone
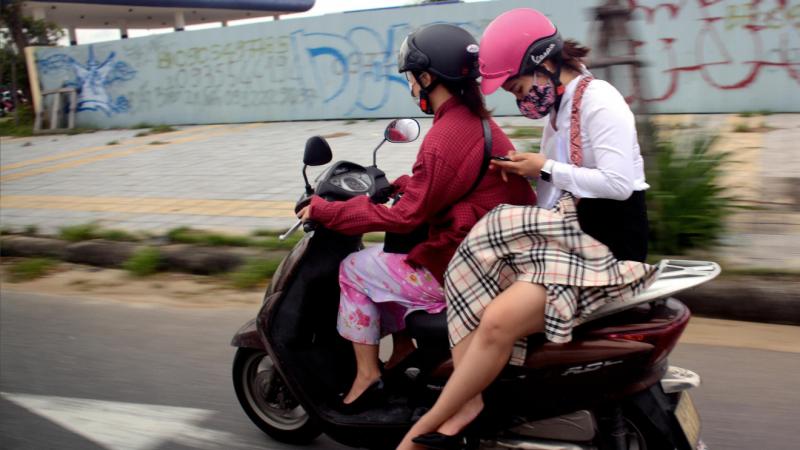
<point>500,158</point>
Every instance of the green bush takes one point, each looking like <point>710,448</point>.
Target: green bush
<point>87,231</point>
<point>253,273</point>
<point>82,232</point>
<point>30,269</point>
<point>526,132</point>
<point>8,127</point>
<point>686,205</point>
<point>145,261</point>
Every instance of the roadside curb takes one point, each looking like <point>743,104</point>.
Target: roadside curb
<point>195,259</point>
<point>769,299</point>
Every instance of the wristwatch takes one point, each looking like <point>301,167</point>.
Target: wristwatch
<point>546,173</point>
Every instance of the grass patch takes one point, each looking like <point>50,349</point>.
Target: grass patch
<point>31,230</point>
<point>25,127</point>
<point>157,129</point>
<point>526,132</point>
<point>5,231</point>
<point>74,131</point>
<point>762,112</point>
<point>117,235</point>
<point>374,237</point>
<point>87,231</point>
<point>162,129</point>
<point>30,269</point>
<point>350,122</point>
<point>77,233</point>
<point>112,143</point>
<point>144,262</point>
<point>742,128</point>
<point>186,235</point>
<point>533,147</point>
<point>157,143</point>
<point>267,239</point>
<point>142,125</point>
<point>253,273</point>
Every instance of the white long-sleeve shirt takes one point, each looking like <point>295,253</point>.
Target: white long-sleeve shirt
<point>612,162</point>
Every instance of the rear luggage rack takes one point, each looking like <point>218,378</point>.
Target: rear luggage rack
<point>674,275</point>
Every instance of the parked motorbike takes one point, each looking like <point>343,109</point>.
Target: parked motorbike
<point>611,388</point>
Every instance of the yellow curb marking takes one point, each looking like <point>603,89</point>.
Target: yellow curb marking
<point>225,208</point>
<point>130,151</point>
<point>99,148</point>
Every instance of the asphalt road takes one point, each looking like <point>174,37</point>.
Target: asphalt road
<point>91,374</point>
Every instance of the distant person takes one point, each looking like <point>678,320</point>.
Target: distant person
<point>445,192</point>
<point>525,270</point>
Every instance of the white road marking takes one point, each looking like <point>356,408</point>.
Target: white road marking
<point>128,426</point>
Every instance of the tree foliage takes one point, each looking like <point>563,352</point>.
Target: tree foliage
<point>17,32</point>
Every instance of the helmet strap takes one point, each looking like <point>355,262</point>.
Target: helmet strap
<point>425,103</point>
<point>560,88</point>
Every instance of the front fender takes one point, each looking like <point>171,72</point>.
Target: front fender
<point>247,337</point>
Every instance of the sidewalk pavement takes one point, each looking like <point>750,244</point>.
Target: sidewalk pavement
<point>243,177</point>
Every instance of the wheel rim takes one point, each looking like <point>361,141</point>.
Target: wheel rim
<point>268,395</point>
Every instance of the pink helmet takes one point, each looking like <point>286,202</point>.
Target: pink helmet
<point>516,42</point>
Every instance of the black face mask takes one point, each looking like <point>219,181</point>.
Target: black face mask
<point>425,104</point>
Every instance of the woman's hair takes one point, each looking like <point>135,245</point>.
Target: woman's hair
<point>573,55</point>
<point>468,91</point>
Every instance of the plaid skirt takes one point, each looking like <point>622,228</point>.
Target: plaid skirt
<point>541,246</point>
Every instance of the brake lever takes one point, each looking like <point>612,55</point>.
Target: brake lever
<point>291,230</point>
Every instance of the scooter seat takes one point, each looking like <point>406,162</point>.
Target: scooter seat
<point>431,328</point>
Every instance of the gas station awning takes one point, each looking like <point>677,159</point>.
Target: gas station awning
<point>156,14</point>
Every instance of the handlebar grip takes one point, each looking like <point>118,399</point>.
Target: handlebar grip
<point>309,226</point>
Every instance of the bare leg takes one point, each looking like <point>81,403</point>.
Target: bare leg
<point>472,408</point>
<point>367,371</point>
<point>402,346</point>
<point>517,312</point>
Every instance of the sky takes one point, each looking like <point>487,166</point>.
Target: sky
<point>320,7</point>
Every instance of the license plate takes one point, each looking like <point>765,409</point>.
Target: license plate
<point>688,418</point>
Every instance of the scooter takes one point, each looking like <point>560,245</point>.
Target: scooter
<point>610,388</point>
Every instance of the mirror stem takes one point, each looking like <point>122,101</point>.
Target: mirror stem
<point>309,189</point>
<point>375,153</point>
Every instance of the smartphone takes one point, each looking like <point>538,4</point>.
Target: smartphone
<point>500,158</point>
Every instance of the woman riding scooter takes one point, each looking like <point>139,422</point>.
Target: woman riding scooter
<point>526,270</point>
<point>447,191</point>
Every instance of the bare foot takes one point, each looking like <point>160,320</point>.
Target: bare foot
<point>360,384</point>
<point>463,417</point>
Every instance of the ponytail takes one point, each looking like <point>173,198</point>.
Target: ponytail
<point>469,94</point>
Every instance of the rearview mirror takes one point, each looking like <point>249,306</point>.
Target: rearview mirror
<point>402,130</point>
<point>318,152</point>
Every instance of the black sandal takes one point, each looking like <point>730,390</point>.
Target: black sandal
<point>439,441</point>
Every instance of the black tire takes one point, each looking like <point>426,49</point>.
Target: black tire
<point>641,435</point>
<point>268,402</point>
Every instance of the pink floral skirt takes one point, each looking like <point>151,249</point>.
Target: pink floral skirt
<point>379,290</point>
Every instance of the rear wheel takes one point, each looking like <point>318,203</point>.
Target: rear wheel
<point>267,400</point>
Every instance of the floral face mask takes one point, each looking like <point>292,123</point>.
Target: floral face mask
<point>539,101</point>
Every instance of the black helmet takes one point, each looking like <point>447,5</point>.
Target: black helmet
<point>445,50</point>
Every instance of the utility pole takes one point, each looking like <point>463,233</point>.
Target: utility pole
<point>613,54</point>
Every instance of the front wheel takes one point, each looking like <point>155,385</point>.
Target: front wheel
<point>267,400</point>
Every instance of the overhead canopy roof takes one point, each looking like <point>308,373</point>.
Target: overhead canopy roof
<point>157,14</point>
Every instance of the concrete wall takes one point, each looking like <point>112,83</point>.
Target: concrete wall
<point>703,56</point>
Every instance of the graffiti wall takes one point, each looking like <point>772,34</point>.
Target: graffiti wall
<point>701,55</point>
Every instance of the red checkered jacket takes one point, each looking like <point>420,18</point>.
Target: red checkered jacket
<point>447,165</point>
